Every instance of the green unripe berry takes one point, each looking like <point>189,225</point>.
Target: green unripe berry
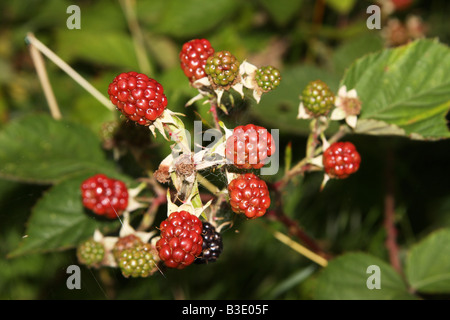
<point>317,98</point>
<point>90,253</point>
<point>222,68</point>
<point>267,78</point>
<point>138,261</point>
<point>126,242</point>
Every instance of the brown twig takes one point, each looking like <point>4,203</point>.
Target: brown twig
<point>32,40</point>
<point>39,64</point>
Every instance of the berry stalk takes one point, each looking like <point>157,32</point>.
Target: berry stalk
<point>128,7</point>
<point>303,165</point>
<point>300,249</point>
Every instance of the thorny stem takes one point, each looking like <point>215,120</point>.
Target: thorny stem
<point>213,110</point>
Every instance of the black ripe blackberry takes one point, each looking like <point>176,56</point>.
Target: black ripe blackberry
<point>212,244</point>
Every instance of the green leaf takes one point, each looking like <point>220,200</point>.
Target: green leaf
<point>91,114</point>
<point>407,87</point>
<point>112,48</point>
<point>58,221</point>
<point>341,6</point>
<point>346,277</point>
<point>428,263</point>
<point>293,280</point>
<point>279,108</point>
<point>355,48</point>
<point>188,18</point>
<point>38,149</point>
<point>282,11</point>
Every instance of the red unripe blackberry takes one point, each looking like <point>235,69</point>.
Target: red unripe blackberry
<point>249,195</point>
<point>249,146</point>
<point>104,196</point>
<point>193,57</point>
<point>138,97</point>
<point>181,239</point>
<point>212,244</point>
<point>341,159</point>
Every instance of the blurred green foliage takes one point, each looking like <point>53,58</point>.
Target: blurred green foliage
<point>305,40</point>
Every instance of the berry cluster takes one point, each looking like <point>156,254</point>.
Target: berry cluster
<point>193,56</point>
<point>138,97</point>
<point>181,239</point>
<point>249,195</point>
<point>184,238</point>
<point>104,196</point>
<point>341,159</point>
<point>249,146</point>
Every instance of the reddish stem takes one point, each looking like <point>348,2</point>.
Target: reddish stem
<point>213,110</point>
<point>389,215</point>
<point>292,225</point>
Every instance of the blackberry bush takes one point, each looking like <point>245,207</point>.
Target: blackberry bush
<point>178,194</point>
